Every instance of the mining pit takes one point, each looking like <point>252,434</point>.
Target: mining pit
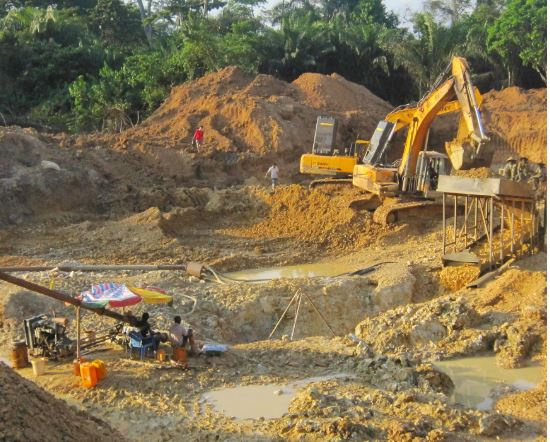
<point>404,351</point>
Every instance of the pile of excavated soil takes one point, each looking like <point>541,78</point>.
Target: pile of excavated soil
<point>334,92</point>
<point>507,316</point>
<point>456,277</point>
<point>29,413</point>
<point>36,178</point>
<point>320,216</point>
<point>480,172</point>
<point>259,114</point>
<point>516,122</point>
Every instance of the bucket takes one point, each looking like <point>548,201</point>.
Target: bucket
<point>180,355</point>
<point>88,374</point>
<point>100,368</point>
<point>38,366</point>
<point>19,355</point>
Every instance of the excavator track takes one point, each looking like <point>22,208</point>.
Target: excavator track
<point>388,213</point>
<point>328,181</point>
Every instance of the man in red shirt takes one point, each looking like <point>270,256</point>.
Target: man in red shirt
<point>197,138</point>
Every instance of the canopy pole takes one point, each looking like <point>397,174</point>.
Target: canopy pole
<point>78,333</point>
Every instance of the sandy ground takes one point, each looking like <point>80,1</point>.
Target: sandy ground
<point>404,316</point>
<point>144,196</point>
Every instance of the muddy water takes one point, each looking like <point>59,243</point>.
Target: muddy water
<point>255,401</point>
<point>328,269</point>
<point>475,379</point>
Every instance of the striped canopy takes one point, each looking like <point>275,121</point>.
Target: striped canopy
<point>120,295</point>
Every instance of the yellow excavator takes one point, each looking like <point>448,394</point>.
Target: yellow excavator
<point>411,183</point>
<point>328,161</point>
<point>337,166</point>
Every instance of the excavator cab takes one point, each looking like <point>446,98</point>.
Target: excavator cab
<point>379,143</point>
<point>429,167</point>
<point>327,159</point>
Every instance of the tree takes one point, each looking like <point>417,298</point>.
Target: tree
<point>518,36</point>
<point>425,53</point>
<point>116,22</point>
<point>447,10</point>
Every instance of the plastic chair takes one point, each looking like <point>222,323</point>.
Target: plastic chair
<point>139,342</point>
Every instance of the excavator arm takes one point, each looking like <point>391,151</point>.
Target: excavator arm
<point>467,149</point>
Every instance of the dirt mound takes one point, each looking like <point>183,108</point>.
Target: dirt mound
<point>258,114</point>
<point>334,92</point>
<point>29,413</point>
<point>456,277</point>
<point>37,179</point>
<point>516,122</point>
<point>320,216</point>
<point>480,172</point>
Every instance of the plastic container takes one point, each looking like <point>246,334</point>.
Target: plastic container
<point>76,366</point>
<point>100,368</point>
<point>19,355</point>
<point>161,355</point>
<point>88,374</point>
<point>180,355</point>
<point>38,366</point>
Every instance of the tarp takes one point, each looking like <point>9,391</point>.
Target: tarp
<point>120,295</point>
<point>152,295</point>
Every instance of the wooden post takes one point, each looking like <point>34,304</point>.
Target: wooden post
<point>296,317</point>
<point>454,225</point>
<point>444,222</point>
<point>476,198</point>
<point>283,315</point>
<point>502,230</point>
<point>78,333</point>
<point>512,239</point>
<point>491,233</point>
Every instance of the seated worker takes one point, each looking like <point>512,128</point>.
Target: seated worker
<point>143,325</point>
<point>179,336</point>
<point>145,330</point>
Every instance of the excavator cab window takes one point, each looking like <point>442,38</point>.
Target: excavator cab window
<point>325,135</point>
<point>379,143</point>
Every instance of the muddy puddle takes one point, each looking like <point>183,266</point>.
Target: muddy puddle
<point>328,269</point>
<point>477,378</point>
<point>269,401</point>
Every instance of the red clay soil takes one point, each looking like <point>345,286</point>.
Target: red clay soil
<point>516,120</point>
<point>259,114</point>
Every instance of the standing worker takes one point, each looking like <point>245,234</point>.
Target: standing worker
<point>197,138</point>
<point>274,171</point>
<point>522,170</point>
<point>509,171</point>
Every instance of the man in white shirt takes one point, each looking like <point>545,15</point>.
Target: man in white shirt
<point>179,336</point>
<point>274,171</point>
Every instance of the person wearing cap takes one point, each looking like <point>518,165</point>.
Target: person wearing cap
<point>509,171</point>
<point>522,170</point>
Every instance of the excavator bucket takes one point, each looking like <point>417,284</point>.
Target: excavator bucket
<point>465,156</point>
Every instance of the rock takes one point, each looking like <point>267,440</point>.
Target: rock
<point>395,286</point>
<point>494,424</point>
<point>50,165</point>
<point>427,331</point>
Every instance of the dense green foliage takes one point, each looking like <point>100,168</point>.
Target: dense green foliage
<point>107,64</point>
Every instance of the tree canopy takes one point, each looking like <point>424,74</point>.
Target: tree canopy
<point>107,64</point>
